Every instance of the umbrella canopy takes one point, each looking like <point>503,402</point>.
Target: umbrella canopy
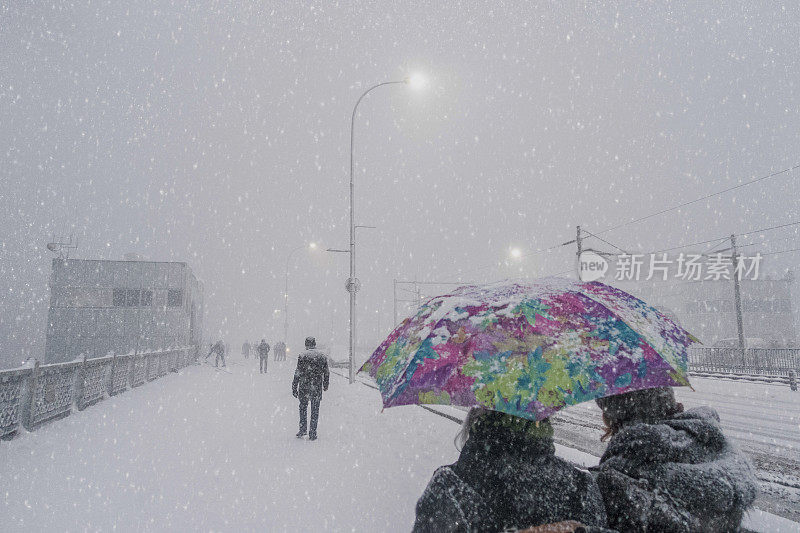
<point>529,349</point>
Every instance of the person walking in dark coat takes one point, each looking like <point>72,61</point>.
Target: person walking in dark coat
<point>280,351</point>
<point>218,349</point>
<point>669,470</point>
<point>263,356</point>
<point>507,477</point>
<point>246,349</point>
<point>310,379</point>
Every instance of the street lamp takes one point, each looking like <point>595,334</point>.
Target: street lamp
<point>416,82</point>
<point>515,253</point>
<point>311,246</point>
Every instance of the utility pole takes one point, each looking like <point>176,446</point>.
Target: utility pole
<point>580,249</point>
<point>394,307</point>
<point>738,299</point>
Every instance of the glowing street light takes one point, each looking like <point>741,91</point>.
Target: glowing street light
<point>415,82</point>
<point>515,253</point>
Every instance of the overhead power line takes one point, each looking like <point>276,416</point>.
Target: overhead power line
<point>720,239</point>
<point>602,239</point>
<point>559,273</point>
<point>434,282</point>
<point>768,229</point>
<point>707,196</point>
<point>651,215</point>
<point>782,252</point>
<point>717,240</point>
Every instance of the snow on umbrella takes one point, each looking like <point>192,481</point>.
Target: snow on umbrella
<point>529,349</point>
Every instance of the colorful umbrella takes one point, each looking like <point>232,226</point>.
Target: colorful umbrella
<point>529,349</point>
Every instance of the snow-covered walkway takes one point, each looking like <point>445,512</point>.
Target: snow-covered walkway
<point>213,450</point>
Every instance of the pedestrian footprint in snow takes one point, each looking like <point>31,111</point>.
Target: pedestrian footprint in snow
<point>310,379</point>
<point>666,469</point>
<point>508,477</point>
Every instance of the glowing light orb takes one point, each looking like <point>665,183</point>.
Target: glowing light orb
<point>417,81</point>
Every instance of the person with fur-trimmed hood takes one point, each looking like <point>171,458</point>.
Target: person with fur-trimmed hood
<point>508,477</point>
<point>666,469</point>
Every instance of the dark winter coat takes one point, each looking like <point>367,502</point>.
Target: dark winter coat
<point>502,481</point>
<point>311,375</point>
<point>263,350</point>
<point>680,474</point>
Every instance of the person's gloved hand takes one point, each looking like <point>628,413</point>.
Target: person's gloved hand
<point>294,393</point>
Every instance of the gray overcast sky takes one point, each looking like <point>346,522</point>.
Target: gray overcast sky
<point>217,133</point>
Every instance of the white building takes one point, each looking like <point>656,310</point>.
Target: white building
<point>102,307</point>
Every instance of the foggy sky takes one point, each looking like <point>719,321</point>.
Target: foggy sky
<point>217,133</point>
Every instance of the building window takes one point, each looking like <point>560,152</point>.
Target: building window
<point>133,297</point>
<point>174,297</point>
<point>119,297</point>
<point>146,298</point>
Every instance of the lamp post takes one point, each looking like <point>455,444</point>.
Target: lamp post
<point>311,246</point>
<point>353,284</point>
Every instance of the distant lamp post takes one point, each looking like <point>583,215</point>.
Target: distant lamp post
<point>415,82</point>
<point>515,253</point>
<point>310,246</point>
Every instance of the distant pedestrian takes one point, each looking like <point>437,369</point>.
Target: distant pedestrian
<point>310,379</point>
<point>263,356</point>
<point>280,351</point>
<point>218,349</point>
<point>669,470</point>
<point>246,350</point>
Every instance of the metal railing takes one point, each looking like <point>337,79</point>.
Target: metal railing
<point>30,397</point>
<point>779,363</point>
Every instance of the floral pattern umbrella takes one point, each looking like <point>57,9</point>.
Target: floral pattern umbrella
<point>529,349</point>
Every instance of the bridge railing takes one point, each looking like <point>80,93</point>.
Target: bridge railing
<point>782,364</point>
<point>29,397</point>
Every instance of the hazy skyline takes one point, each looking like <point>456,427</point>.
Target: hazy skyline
<point>218,134</point>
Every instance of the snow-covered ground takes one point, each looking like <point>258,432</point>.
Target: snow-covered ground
<point>213,450</point>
